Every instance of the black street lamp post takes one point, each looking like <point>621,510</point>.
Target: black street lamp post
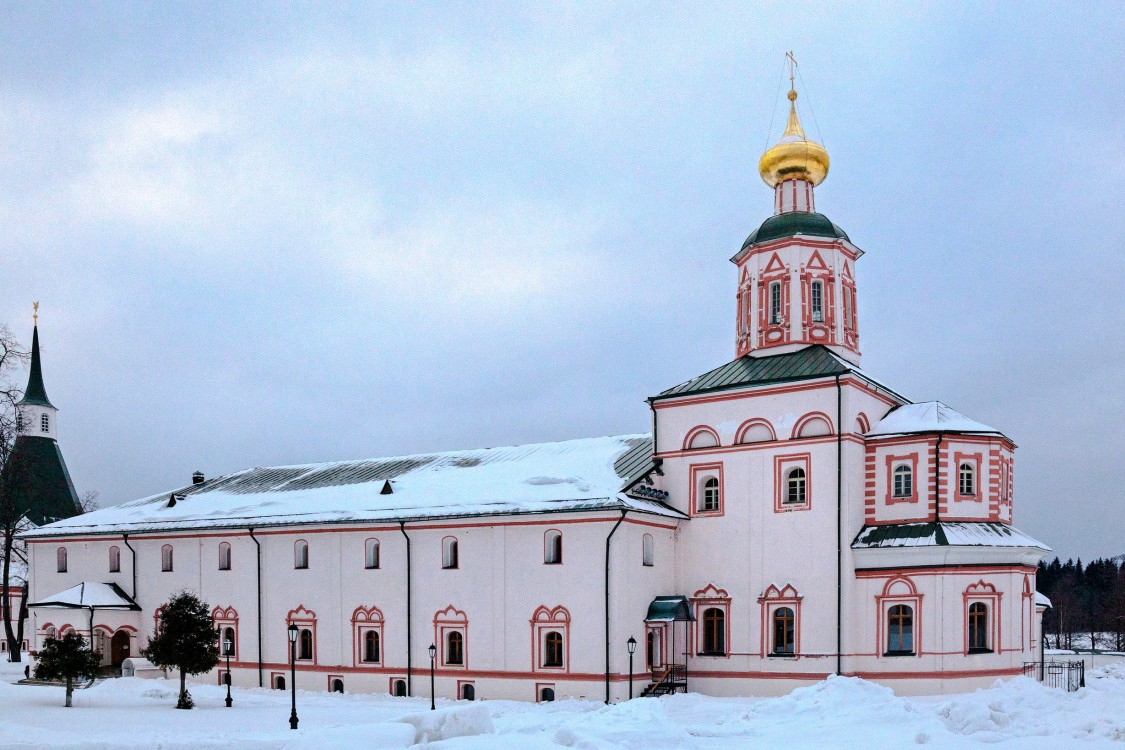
<point>433,655</point>
<point>293,674</point>
<point>227,647</point>
<point>631,644</point>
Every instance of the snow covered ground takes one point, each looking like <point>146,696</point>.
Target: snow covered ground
<point>838,713</point>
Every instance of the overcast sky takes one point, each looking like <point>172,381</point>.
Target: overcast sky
<point>273,233</point>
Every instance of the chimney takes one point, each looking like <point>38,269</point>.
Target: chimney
<point>197,478</point>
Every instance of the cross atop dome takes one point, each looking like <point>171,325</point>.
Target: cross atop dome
<point>795,164</point>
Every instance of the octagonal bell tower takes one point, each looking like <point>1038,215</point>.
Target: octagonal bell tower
<point>796,272</point>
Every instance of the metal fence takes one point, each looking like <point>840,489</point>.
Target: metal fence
<point>1068,675</point>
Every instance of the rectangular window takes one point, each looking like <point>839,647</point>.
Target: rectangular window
<point>775,303</point>
<point>817,302</point>
<point>44,423</point>
<point>848,309</point>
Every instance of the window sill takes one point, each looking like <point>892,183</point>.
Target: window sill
<point>712,653</point>
<point>980,651</point>
<point>782,656</point>
<point>899,653</point>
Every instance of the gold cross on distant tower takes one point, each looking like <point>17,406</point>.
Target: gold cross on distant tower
<point>35,315</point>
<point>792,68</point>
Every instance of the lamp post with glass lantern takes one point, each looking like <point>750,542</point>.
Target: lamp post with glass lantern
<point>631,644</point>
<point>293,674</point>
<point>227,648</point>
<point>433,655</point>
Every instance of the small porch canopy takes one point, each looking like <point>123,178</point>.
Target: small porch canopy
<point>669,609</point>
<point>90,595</point>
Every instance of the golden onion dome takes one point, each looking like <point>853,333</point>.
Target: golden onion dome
<point>794,157</point>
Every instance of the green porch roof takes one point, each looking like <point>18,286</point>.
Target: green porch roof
<point>669,609</point>
<point>814,361</point>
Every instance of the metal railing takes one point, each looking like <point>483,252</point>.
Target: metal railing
<point>1067,675</point>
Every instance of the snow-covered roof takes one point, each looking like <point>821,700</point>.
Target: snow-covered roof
<point>89,594</point>
<point>944,534</point>
<point>573,475</point>
<point>928,416</point>
<point>1041,600</point>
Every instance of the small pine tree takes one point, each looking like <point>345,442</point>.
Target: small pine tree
<point>185,639</point>
<point>68,658</point>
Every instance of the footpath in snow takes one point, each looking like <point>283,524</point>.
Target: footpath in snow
<point>838,713</point>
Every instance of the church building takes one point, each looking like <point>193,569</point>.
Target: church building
<point>789,517</point>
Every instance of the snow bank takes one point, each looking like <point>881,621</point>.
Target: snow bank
<point>460,721</point>
<point>366,736</point>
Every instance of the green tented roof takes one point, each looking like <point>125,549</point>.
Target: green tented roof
<point>793,223</point>
<point>38,481</point>
<point>36,393</point>
<point>814,361</point>
<point>669,609</point>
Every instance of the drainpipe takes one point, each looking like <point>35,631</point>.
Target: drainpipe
<point>409,629</point>
<point>261,682</point>
<point>937,478</point>
<point>611,533</point>
<point>839,527</point>
<point>133,552</point>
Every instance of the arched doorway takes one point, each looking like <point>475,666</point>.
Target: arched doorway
<point>119,648</point>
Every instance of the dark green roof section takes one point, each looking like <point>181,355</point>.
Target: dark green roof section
<point>635,463</point>
<point>36,393</point>
<point>814,361</point>
<point>37,480</point>
<point>669,609</point>
<point>793,223</point>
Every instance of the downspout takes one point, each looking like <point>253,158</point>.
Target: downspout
<point>611,533</point>
<point>839,527</point>
<point>133,552</point>
<point>258,544</point>
<point>409,629</point>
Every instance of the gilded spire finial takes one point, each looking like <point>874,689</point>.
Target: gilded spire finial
<point>35,313</point>
<point>794,156</point>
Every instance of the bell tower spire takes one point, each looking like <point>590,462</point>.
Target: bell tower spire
<point>796,272</point>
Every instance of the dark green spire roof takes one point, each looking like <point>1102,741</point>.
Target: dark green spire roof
<point>37,481</point>
<point>793,223</point>
<point>35,393</point>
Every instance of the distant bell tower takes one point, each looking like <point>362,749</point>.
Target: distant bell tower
<point>796,272</point>
<point>36,473</point>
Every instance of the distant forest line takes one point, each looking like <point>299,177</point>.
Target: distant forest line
<point>1087,603</point>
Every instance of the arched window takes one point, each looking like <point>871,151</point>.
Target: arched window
<point>44,423</point>
<point>337,685</point>
<point>552,547</point>
<point>449,552</point>
<point>553,649</point>
<point>978,627</point>
<point>400,688</point>
<point>114,559</point>
<point>228,638</point>
<point>468,692</point>
<point>279,682</point>
<point>546,695</point>
<point>371,646</point>
<point>702,437</point>
<point>300,554</point>
<point>775,302</point>
<point>783,622</point>
<point>646,550</point>
<point>714,632</point>
<point>166,558</point>
<point>454,648</point>
<point>710,496</point>
<point>306,644</point>
<point>900,629</point>
<point>795,486</point>
<point>371,554</point>
<point>224,556</point>
<point>816,301</point>
<point>60,559</point>
<point>903,481</point>
<point>967,479</point>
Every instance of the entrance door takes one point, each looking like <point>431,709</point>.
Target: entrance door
<point>119,648</point>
